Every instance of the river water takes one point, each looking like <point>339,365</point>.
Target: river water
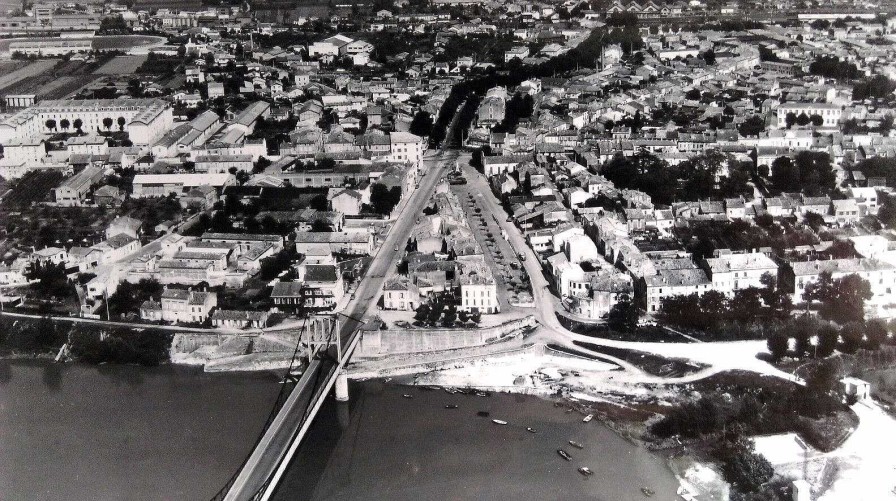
<point>73,432</point>
<point>381,445</point>
<point>78,432</point>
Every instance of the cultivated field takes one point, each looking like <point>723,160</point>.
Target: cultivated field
<point>121,65</point>
<point>55,81</point>
<point>27,72</point>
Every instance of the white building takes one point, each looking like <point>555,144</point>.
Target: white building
<point>881,276</point>
<point>733,272</point>
<point>145,120</point>
<point>830,113</point>
<point>406,147</point>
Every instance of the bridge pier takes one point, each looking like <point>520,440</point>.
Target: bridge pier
<point>342,386</point>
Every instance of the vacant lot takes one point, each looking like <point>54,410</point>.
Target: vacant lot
<point>121,65</point>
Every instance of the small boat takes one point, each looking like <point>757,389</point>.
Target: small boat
<point>647,492</point>
<point>500,422</point>
<point>569,411</point>
<point>450,391</point>
<point>387,380</point>
<point>576,445</point>
<point>481,394</point>
<point>462,391</point>
<point>407,396</point>
<point>587,418</point>
<point>565,455</point>
<point>586,471</point>
<point>531,430</point>
<point>451,406</point>
<point>483,414</point>
<point>558,404</point>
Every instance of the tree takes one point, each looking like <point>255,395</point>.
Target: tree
<point>384,199</point>
<point>851,335</point>
<point>319,202</point>
<point>802,120</point>
<point>320,226</point>
<point>64,124</point>
<point>463,316</point>
<point>816,120</point>
<point>449,316</point>
<point>121,122</point>
<point>475,316</point>
<point>875,334</point>
<point>107,123</point>
<point>752,126</point>
<point>828,338</point>
<point>435,313</point>
<point>784,174</point>
<point>78,123</point>
<point>710,57</point>
<point>51,124</point>
<point>790,119</point>
<point>742,467</point>
<point>422,124</point>
<point>778,344</point>
<point>623,316</point>
<point>422,313</point>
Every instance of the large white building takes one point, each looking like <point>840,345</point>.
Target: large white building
<point>829,112</point>
<point>145,120</point>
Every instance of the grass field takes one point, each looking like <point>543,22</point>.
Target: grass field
<point>121,65</point>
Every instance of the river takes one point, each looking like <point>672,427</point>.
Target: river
<point>72,432</point>
<point>381,445</point>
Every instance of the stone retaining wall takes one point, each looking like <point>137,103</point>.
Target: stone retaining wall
<point>393,341</point>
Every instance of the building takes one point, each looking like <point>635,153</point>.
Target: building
<point>322,286</point>
<point>55,47</point>
<point>830,113</point>
<point>72,191</point>
<point>287,296</point>
<point>145,120</point>
<point>162,185</point>
<point>180,306</point>
<point>478,289</point>
<point>400,294</point>
<point>222,164</point>
<point>732,272</point>
<point>880,275</point>
<point>240,319</point>
<point>405,147</point>
<point>673,282</point>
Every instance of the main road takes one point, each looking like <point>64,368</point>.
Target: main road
<point>276,447</point>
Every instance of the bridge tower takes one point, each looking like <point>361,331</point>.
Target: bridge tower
<point>321,332</point>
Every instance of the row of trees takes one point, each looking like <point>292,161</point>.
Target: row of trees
<point>710,311</point>
<point>803,120</point>
<point>446,315</point>
<point>78,124</point>
<point>811,337</point>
